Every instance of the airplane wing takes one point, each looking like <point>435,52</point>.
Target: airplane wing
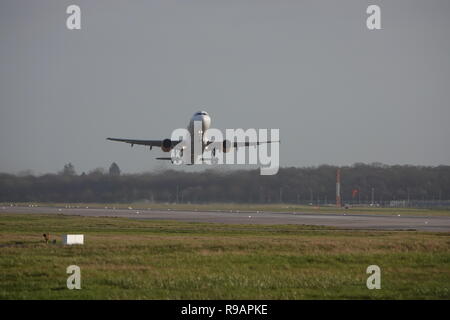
<point>248,144</point>
<point>226,144</point>
<point>151,143</point>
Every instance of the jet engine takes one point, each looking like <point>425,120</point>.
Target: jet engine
<point>226,145</point>
<point>166,145</point>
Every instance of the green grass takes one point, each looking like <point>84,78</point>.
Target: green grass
<point>277,207</point>
<point>137,259</point>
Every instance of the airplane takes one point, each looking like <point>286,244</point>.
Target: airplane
<point>200,118</point>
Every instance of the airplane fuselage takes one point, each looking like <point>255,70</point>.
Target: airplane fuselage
<point>199,123</point>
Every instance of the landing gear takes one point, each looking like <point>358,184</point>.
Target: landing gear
<point>214,159</point>
<point>177,161</point>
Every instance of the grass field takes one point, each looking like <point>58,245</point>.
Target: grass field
<point>137,259</point>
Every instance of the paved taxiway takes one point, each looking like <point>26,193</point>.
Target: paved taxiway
<point>340,220</point>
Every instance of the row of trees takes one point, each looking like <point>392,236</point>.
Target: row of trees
<point>359,183</point>
<point>69,170</point>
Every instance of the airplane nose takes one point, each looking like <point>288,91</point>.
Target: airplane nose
<point>203,118</point>
<point>206,121</point>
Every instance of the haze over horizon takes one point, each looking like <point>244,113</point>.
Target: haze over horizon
<point>339,93</point>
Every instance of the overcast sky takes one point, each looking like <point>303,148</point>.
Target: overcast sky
<point>338,92</point>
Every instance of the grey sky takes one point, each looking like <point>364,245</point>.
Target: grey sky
<point>338,92</point>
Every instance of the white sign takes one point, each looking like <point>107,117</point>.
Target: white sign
<point>73,239</point>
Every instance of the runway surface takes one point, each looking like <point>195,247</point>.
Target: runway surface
<point>340,220</point>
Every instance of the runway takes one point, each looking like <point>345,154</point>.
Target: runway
<point>339,220</point>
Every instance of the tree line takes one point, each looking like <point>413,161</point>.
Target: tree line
<point>360,183</point>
